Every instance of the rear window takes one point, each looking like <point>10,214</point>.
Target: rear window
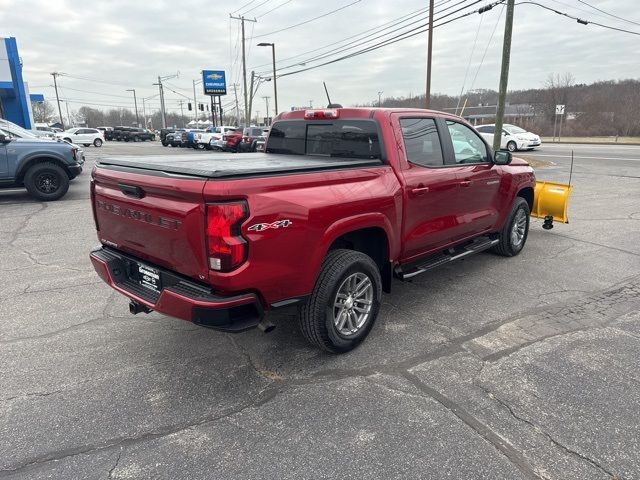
<point>340,138</point>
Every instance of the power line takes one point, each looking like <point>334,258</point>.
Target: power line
<point>579,20</point>
<point>403,36</point>
<point>369,38</point>
<point>243,6</point>
<point>310,20</point>
<point>93,80</point>
<point>94,93</point>
<point>377,29</point>
<point>609,14</point>
<point>274,8</point>
<point>253,8</point>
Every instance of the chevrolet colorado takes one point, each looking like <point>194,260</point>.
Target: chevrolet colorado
<point>342,201</point>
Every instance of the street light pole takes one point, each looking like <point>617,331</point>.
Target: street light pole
<point>429,51</point>
<point>380,99</point>
<point>275,85</point>
<point>135,104</point>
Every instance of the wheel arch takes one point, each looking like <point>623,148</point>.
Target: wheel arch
<point>370,234</point>
<point>527,194</point>
<point>24,168</point>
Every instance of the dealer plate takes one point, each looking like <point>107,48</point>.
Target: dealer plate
<point>149,278</point>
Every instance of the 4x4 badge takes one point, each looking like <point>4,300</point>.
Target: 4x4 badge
<point>260,227</point>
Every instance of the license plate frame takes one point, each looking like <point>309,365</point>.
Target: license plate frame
<point>149,277</point>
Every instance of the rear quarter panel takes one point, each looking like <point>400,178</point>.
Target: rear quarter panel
<point>284,262</point>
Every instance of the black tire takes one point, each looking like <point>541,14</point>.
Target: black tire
<point>200,146</point>
<point>86,144</point>
<point>68,140</point>
<point>97,142</point>
<point>164,144</point>
<point>46,181</point>
<point>506,246</point>
<point>512,146</point>
<point>317,316</point>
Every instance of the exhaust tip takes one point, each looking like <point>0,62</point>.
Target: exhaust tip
<point>266,326</point>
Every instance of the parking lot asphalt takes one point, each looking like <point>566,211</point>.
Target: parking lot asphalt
<point>488,368</point>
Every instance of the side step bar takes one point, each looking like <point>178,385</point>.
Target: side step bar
<point>456,253</point>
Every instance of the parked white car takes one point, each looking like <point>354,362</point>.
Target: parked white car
<point>82,136</point>
<point>513,138</point>
<point>214,134</point>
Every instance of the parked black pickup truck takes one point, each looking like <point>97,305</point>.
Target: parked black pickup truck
<point>132,134</point>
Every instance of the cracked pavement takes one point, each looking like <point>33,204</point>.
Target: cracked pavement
<point>487,368</point>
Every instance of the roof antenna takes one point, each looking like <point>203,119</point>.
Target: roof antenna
<point>331,105</point>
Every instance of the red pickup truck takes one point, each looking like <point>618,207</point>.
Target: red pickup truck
<point>342,201</point>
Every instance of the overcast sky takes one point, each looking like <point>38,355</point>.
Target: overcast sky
<point>115,45</point>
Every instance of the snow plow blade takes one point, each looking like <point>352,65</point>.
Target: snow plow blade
<point>550,202</point>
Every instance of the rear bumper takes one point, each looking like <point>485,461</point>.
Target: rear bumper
<point>180,297</point>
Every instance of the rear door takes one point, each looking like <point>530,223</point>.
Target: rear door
<point>479,179</point>
<point>158,218</point>
<point>431,186</point>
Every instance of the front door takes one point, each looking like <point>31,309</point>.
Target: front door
<point>479,180</point>
<point>429,215</point>
<point>4,161</point>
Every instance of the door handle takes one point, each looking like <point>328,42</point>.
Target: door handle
<point>465,183</point>
<point>419,190</point>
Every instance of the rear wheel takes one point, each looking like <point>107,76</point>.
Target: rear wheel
<point>86,144</point>
<point>200,146</point>
<point>97,142</point>
<point>345,302</point>
<point>46,181</point>
<point>515,231</point>
<point>68,140</point>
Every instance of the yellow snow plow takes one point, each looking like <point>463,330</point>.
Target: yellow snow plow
<point>550,202</point>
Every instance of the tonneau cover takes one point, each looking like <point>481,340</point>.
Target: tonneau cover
<point>216,165</point>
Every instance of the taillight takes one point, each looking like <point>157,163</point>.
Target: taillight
<point>226,247</point>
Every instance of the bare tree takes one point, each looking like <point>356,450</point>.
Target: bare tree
<point>43,112</point>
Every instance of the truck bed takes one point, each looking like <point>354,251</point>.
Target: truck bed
<point>233,165</point>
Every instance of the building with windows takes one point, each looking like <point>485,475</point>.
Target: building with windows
<point>15,99</point>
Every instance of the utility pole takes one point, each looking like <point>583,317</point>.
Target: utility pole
<point>235,91</point>
<point>55,85</point>
<point>135,103</point>
<point>247,111</point>
<point>195,104</point>
<point>181,103</point>
<point>161,93</point>
<point>144,113</point>
<point>380,99</point>
<point>504,74</point>
<point>266,101</point>
<point>427,100</point>
<point>253,76</point>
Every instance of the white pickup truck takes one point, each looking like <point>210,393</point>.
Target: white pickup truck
<point>208,138</point>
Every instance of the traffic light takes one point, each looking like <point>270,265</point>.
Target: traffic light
<point>189,106</point>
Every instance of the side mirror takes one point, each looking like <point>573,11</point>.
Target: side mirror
<point>4,139</point>
<point>502,157</point>
<point>504,134</point>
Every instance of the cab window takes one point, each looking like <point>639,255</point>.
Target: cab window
<point>468,147</point>
<point>421,141</point>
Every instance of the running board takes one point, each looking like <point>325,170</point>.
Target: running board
<point>478,245</point>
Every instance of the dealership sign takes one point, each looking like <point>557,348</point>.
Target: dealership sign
<point>214,82</point>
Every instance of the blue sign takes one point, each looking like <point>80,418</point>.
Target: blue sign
<point>214,82</point>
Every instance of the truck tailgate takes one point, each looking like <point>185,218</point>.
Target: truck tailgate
<point>156,218</point>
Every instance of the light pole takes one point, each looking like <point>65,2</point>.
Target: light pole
<point>275,86</point>
<point>161,93</point>
<point>135,104</point>
<point>380,99</point>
